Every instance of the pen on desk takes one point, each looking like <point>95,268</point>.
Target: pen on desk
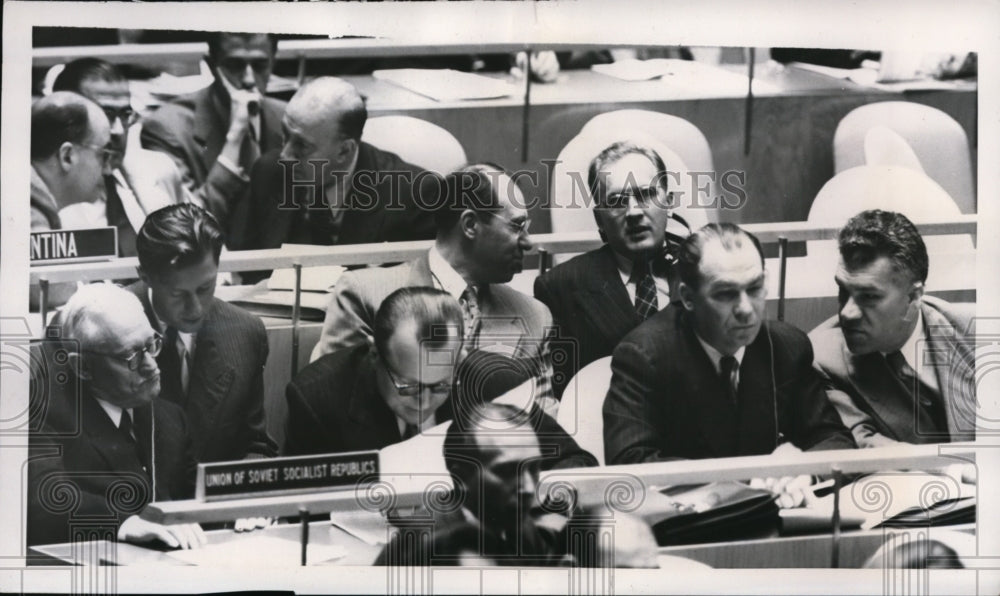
<point>304,520</point>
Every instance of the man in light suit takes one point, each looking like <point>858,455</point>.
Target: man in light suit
<point>598,297</point>
<point>710,378</point>
<point>216,134</point>
<point>141,181</point>
<point>103,433</point>
<point>482,235</point>
<point>898,365</point>
<point>213,358</point>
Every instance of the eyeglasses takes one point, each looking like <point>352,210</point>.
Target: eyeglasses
<point>133,360</point>
<point>107,155</point>
<point>128,116</point>
<point>643,196</point>
<point>521,227</point>
<point>240,65</point>
<point>411,389</point>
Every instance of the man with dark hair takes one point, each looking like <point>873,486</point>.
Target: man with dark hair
<point>598,297</point>
<point>216,134</point>
<point>325,186</point>
<point>70,152</point>
<point>104,443</point>
<point>898,365</point>
<point>482,235</point>
<point>710,378</point>
<point>213,357</point>
<point>141,181</point>
<point>383,391</point>
<point>494,457</point>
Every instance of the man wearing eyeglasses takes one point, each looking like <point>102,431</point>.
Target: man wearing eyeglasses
<point>385,390</point>
<point>140,181</point>
<point>216,134</point>
<point>482,236</point>
<point>104,435</point>
<point>70,153</point>
<point>598,297</point>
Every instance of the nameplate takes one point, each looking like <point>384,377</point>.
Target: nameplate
<point>74,246</point>
<point>285,475</point>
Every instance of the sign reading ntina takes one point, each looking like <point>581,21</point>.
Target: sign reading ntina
<point>285,475</point>
<point>74,246</point>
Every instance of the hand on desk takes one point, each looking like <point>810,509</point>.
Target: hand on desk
<point>544,66</point>
<point>135,529</point>
<point>249,524</point>
<point>792,491</point>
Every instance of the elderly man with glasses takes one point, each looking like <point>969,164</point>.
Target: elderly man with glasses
<point>104,443</point>
<point>139,181</point>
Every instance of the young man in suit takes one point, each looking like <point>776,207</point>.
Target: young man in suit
<point>482,235</point>
<point>216,134</point>
<point>141,181</point>
<point>711,378</point>
<point>214,353</point>
<point>598,297</point>
<point>325,186</point>
<point>898,365</point>
<point>106,436</point>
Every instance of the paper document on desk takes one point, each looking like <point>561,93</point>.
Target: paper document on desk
<point>446,84</point>
<point>688,74</point>
<point>369,526</point>
<point>258,551</point>
<point>314,279</point>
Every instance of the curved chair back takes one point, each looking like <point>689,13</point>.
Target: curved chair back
<point>417,141</point>
<point>581,411</point>
<point>892,188</point>
<point>937,140</point>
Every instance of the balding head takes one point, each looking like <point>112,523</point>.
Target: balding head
<point>327,100</point>
<point>63,117</point>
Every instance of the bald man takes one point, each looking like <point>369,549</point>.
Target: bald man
<point>326,186</point>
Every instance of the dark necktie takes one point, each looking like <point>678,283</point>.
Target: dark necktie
<point>117,217</point>
<point>126,428</point>
<point>249,150</point>
<point>928,399</point>
<point>728,370</point>
<point>646,303</point>
<point>410,431</point>
<point>170,368</point>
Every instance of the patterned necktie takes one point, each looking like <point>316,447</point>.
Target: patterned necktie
<point>470,314</point>
<point>646,303</point>
<point>728,370</point>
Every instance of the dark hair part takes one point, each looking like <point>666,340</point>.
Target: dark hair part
<point>215,41</point>
<point>472,187</point>
<point>86,69</point>
<point>437,315</point>
<point>61,117</point>
<point>461,447</point>
<point>875,233</point>
<point>177,236</point>
<point>597,173</point>
<point>689,256</point>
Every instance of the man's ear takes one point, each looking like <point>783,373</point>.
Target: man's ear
<point>347,149</point>
<point>915,294</point>
<point>67,156</point>
<point>142,275</point>
<point>370,340</point>
<point>468,221</point>
<point>687,295</point>
<point>77,363</point>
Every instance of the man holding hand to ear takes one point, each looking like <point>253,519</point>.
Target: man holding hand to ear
<point>216,134</point>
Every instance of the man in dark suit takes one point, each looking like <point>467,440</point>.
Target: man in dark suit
<point>216,134</point>
<point>899,366</point>
<point>482,235</point>
<point>105,444</point>
<point>711,378</point>
<point>598,297</point>
<point>325,186</point>
<point>214,353</point>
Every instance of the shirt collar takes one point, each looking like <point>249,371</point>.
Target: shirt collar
<point>909,349</point>
<point>114,412</point>
<point>446,277</point>
<point>715,356</point>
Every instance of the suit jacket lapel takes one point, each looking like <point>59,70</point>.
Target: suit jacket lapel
<point>878,387</point>
<point>270,125</point>
<point>702,388</point>
<point>106,438</point>
<point>757,398</point>
<point>372,417</point>
<point>604,300</point>
<point>953,362</point>
<point>210,115</point>
<point>210,378</point>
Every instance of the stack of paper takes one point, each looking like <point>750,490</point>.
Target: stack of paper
<point>258,552</point>
<point>446,84</point>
